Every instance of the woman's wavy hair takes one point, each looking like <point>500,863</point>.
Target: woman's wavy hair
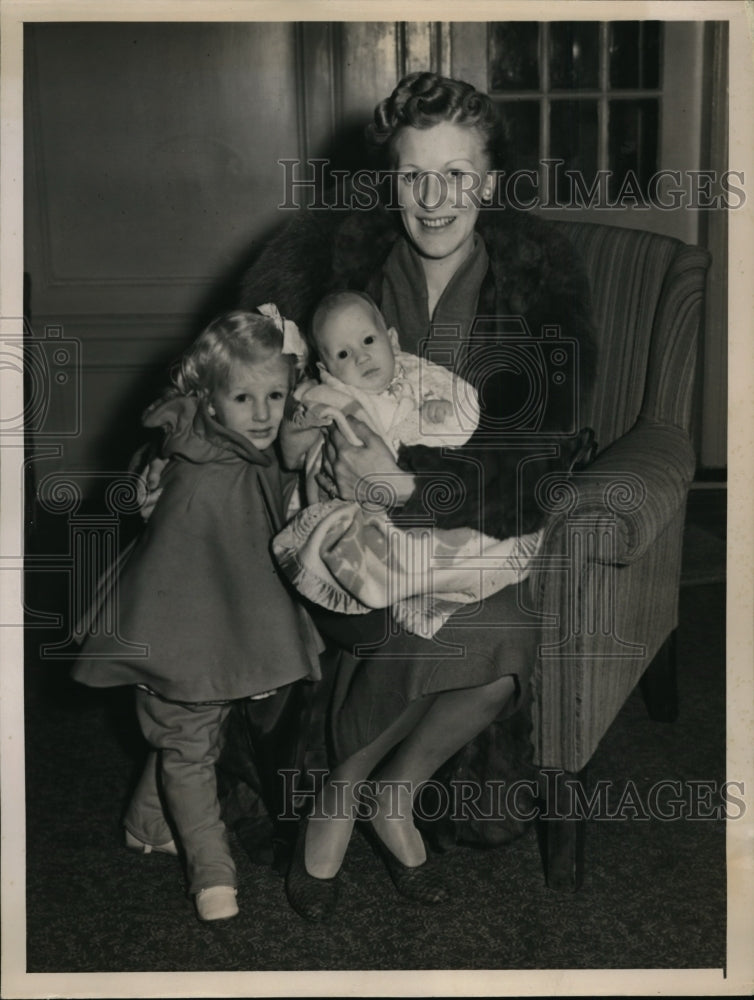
<point>232,338</point>
<point>422,100</point>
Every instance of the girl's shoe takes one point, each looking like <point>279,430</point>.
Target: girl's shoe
<point>421,884</point>
<point>312,898</point>
<point>218,902</point>
<point>134,844</point>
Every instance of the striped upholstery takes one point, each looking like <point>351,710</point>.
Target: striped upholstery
<point>638,283</point>
<point>610,567</point>
<point>582,685</point>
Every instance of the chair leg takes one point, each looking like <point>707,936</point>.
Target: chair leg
<point>561,829</point>
<point>659,683</point>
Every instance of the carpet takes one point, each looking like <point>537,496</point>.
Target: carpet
<point>704,556</point>
<point>654,894</point>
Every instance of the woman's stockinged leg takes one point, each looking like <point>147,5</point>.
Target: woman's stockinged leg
<point>424,737</point>
<point>453,720</point>
<point>425,734</point>
<point>331,822</point>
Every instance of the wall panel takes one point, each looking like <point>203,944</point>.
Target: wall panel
<point>372,61</point>
<point>156,148</point>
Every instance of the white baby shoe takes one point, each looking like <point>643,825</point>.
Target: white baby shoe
<point>218,902</point>
<point>134,844</point>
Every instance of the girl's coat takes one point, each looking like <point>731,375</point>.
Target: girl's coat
<point>200,589</point>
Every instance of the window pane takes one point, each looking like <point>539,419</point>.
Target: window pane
<point>573,138</point>
<point>632,141</point>
<point>522,127</point>
<point>651,47</point>
<point>514,55</point>
<point>634,51</point>
<point>574,54</point>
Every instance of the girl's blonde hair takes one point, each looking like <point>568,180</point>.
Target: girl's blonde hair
<point>233,337</point>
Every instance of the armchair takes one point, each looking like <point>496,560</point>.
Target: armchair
<point>610,566</point>
<point>606,582</point>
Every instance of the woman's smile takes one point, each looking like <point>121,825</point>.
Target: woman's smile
<point>438,205</point>
<point>437,223</point>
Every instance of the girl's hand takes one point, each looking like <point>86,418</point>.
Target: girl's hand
<point>366,472</point>
<point>150,489</point>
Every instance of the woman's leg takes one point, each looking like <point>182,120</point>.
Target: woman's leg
<point>331,822</point>
<point>453,720</point>
<point>499,638</point>
<point>431,731</point>
<point>432,727</point>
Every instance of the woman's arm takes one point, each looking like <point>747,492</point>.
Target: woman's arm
<point>366,472</point>
<point>480,485</point>
<point>467,487</point>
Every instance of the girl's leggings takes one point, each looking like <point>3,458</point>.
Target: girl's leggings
<point>180,772</point>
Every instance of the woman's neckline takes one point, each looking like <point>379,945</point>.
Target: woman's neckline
<point>433,301</point>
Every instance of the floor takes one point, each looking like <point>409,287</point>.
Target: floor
<point>654,895</point>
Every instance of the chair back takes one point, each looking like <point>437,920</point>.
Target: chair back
<point>647,292</point>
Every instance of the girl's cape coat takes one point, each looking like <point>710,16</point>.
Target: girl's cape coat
<point>201,613</point>
<point>533,273</point>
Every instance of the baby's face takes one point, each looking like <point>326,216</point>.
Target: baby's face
<point>356,349</point>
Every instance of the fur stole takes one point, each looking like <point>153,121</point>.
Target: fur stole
<point>534,273</point>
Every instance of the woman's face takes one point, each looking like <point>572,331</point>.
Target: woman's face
<point>443,175</point>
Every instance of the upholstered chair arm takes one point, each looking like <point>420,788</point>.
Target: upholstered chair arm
<point>633,489</point>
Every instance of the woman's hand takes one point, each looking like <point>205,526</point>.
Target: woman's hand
<point>365,472</point>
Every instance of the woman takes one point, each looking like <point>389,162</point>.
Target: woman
<point>439,259</point>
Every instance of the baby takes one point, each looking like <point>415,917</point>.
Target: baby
<point>350,557</point>
<point>363,373</point>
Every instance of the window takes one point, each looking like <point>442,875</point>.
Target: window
<point>587,93</point>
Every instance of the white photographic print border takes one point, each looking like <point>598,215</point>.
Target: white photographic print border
<point>738,976</point>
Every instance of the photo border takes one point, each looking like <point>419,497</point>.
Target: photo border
<point>16,983</point>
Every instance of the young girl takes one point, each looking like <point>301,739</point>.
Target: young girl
<point>202,594</point>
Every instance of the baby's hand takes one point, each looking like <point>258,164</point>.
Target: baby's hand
<point>316,415</point>
<point>436,410</point>
<point>299,415</point>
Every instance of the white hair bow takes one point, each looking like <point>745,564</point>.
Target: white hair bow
<point>293,342</point>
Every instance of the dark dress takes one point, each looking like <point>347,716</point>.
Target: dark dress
<point>480,643</point>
